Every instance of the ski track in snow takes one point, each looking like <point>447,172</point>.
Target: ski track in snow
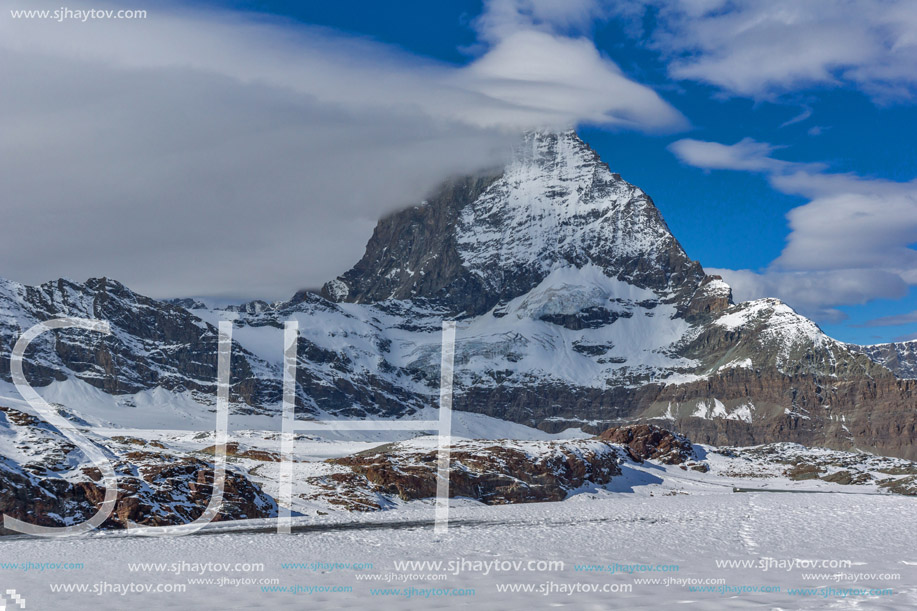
<point>747,529</point>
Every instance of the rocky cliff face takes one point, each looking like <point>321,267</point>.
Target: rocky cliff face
<point>899,357</point>
<point>153,344</point>
<point>493,473</point>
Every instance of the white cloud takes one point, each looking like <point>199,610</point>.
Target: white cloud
<point>805,114</point>
<point>535,77</point>
<point>520,80</point>
<point>850,222</point>
<point>762,49</point>
<point>746,154</point>
<point>502,18</point>
<point>851,243</point>
<point>218,153</point>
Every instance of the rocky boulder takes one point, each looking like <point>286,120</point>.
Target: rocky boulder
<point>649,442</point>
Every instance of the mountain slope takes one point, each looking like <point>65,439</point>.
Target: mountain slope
<point>482,241</point>
<point>152,345</point>
<point>899,357</point>
<point>576,308</point>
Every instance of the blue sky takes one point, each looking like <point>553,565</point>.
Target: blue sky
<point>725,219</point>
<point>775,137</point>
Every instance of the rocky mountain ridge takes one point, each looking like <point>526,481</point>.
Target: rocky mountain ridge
<point>576,308</point>
<point>898,357</point>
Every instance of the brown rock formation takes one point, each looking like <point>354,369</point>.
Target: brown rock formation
<point>649,442</point>
<point>495,474</point>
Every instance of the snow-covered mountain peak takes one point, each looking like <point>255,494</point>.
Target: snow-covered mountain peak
<point>554,151</point>
<point>769,332</point>
<point>557,201</point>
<point>485,240</point>
<point>778,323</point>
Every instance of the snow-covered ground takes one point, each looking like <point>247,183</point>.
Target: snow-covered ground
<point>708,548</point>
<point>656,536</point>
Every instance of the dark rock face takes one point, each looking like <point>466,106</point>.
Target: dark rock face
<point>710,298</point>
<point>187,303</point>
<point>155,487</point>
<point>587,318</point>
<point>875,415</point>
<point>152,344</point>
<point>649,442</point>
<point>414,255</point>
<point>174,490</point>
<point>493,473</point>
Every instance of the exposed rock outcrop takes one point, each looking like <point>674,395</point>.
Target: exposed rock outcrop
<point>51,483</point>
<point>493,473</point>
<point>649,442</point>
<point>799,463</point>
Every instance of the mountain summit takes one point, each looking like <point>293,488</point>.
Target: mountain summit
<point>482,241</point>
<point>577,308</point>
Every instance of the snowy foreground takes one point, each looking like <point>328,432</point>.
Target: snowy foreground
<point>679,541</point>
<point>655,536</point>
